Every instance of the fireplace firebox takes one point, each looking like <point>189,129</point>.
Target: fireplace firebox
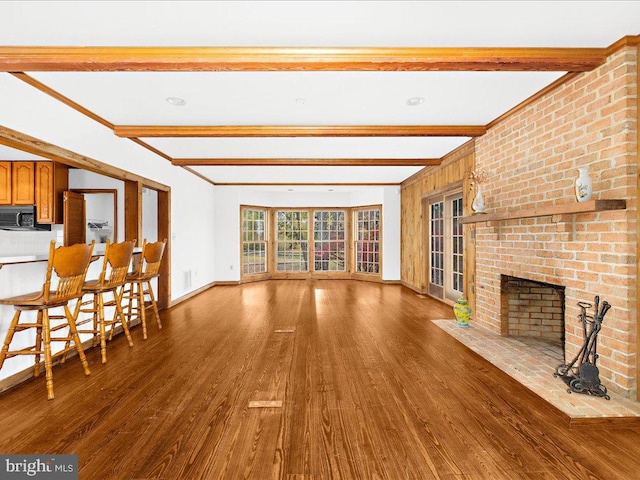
<point>532,309</point>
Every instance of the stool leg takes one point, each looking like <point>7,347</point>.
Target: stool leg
<point>36,365</point>
<point>76,311</point>
<point>46,333</point>
<point>142,309</point>
<point>103,332</point>
<point>95,319</point>
<point>129,289</point>
<point>9,337</point>
<point>76,338</point>
<point>154,305</point>
<point>113,320</point>
<point>120,313</point>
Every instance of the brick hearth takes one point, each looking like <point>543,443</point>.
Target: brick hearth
<point>532,363</point>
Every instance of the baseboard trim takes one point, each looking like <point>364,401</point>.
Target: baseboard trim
<point>413,287</point>
<point>192,294</point>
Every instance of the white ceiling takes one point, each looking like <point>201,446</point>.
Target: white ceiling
<point>298,98</point>
<point>308,98</point>
<point>319,23</point>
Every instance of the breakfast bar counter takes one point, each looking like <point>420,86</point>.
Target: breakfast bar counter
<point>13,259</point>
<point>16,259</point>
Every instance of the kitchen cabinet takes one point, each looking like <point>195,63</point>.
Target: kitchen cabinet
<point>5,183</point>
<point>51,180</point>
<point>22,183</point>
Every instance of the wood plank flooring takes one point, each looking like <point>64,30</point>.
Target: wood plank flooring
<point>370,389</point>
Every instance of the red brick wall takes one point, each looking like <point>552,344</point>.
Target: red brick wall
<point>532,157</point>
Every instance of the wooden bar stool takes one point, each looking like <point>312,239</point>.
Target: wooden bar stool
<point>117,257</point>
<point>70,265</point>
<point>138,284</point>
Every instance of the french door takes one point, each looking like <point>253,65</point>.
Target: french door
<point>446,247</point>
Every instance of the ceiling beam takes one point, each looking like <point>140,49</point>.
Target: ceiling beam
<point>226,59</point>
<point>332,162</point>
<point>145,131</point>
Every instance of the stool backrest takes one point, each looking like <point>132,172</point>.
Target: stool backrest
<point>117,258</point>
<point>149,265</point>
<point>70,265</point>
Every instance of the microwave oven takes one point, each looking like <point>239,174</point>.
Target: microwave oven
<point>20,218</point>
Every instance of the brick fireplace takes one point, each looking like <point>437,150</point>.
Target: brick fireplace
<point>532,158</point>
<point>532,309</point>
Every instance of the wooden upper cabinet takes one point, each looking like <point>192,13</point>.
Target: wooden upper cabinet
<point>51,180</point>
<point>5,183</point>
<point>22,183</point>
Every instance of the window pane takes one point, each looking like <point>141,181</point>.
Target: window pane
<point>330,244</point>
<point>367,241</point>
<point>292,247</point>
<point>254,245</point>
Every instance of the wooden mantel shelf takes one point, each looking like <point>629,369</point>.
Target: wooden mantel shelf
<point>549,210</point>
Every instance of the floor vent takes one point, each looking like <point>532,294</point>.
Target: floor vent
<point>265,404</point>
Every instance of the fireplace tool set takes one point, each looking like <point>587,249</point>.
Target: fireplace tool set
<point>581,375</point>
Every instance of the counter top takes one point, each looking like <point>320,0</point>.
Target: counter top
<point>15,259</point>
<point>23,259</point>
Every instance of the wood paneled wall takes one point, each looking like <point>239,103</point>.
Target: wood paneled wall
<point>638,218</point>
<point>454,172</point>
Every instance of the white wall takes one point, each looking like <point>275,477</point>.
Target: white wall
<point>227,219</point>
<point>391,233</point>
<point>149,215</point>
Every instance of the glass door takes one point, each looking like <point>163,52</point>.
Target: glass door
<point>446,247</point>
<point>436,248</point>
<point>454,284</point>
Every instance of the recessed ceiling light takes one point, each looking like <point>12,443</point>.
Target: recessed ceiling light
<point>176,101</point>
<point>413,101</point>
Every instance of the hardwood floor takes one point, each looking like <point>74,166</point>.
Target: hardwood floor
<point>370,389</point>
